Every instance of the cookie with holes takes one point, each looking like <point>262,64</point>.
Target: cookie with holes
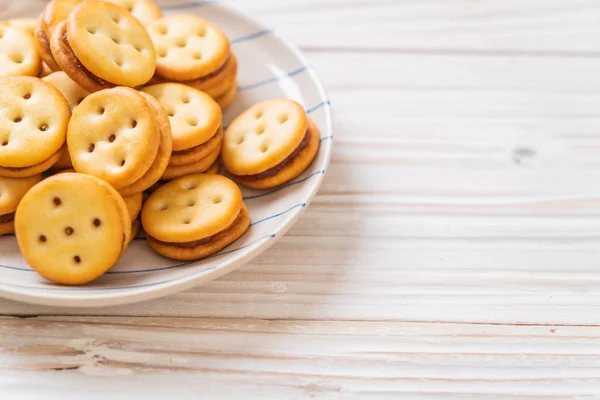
<point>114,136</point>
<point>74,94</point>
<point>12,191</point>
<point>71,228</point>
<point>33,125</point>
<point>18,54</point>
<point>163,155</point>
<point>101,45</point>
<point>194,216</point>
<point>270,144</point>
<point>188,47</point>
<point>195,120</point>
<point>146,11</point>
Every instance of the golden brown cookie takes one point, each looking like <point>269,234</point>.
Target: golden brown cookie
<point>70,228</point>
<point>146,11</point>
<point>187,47</point>
<point>194,216</point>
<point>195,154</point>
<point>74,94</point>
<point>163,154</point>
<point>195,117</point>
<point>270,143</point>
<point>134,205</point>
<point>135,229</point>
<point>33,123</point>
<point>11,193</point>
<point>113,135</point>
<point>55,12</point>
<point>18,54</point>
<point>215,168</point>
<point>202,165</point>
<point>101,45</point>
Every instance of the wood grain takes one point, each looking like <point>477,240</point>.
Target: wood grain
<point>452,252</point>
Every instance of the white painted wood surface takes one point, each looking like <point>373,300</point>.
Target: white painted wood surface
<point>453,251</point>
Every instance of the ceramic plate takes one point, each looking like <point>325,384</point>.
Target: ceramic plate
<point>269,67</point>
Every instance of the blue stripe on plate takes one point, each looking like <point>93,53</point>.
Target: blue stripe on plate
<point>315,108</point>
<point>278,214</point>
<point>273,79</point>
<point>251,36</point>
<point>256,196</point>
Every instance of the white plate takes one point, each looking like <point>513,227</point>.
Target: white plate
<point>269,67</point>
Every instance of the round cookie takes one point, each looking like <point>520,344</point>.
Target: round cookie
<point>194,116</point>
<point>195,154</point>
<point>33,122</point>
<point>134,205</point>
<point>187,47</point>
<point>70,228</point>
<point>173,172</point>
<point>263,136</point>
<point>215,168</point>
<point>296,165</point>
<point>18,54</point>
<point>194,251</point>
<point>135,229</point>
<point>25,24</point>
<point>191,208</point>
<point>104,45</point>
<point>226,99</point>
<point>163,155</point>
<point>11,193</point>
<point>113,135</point>
<point>145,10</point>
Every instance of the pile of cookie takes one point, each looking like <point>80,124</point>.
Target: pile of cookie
<point>127,133</point>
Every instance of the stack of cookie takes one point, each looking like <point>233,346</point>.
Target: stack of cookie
<point>270,144</point>
<point>196,125</point>
<point>192,51</point>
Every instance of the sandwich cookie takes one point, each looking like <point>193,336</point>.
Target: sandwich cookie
<point>56,11</point>
<point>18,54</point>
<point>101,45</point>
<point>195,120</point>
<point>33,123</point>
<point>194,216</point>
<point>146,11</point>
<point>12,191</point>
<point>45,71</point>
<point>74,94</point>
<point>72,228</point>
<point>270,144</point>
<point>114,136</point>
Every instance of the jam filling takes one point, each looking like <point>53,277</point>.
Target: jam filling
<point>187,151</point>
<point>276,169</point>
<point>7,217</point>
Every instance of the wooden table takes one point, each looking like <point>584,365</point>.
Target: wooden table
<point>452,252</point>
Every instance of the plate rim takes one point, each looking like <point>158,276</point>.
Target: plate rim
<point>196,279</point>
